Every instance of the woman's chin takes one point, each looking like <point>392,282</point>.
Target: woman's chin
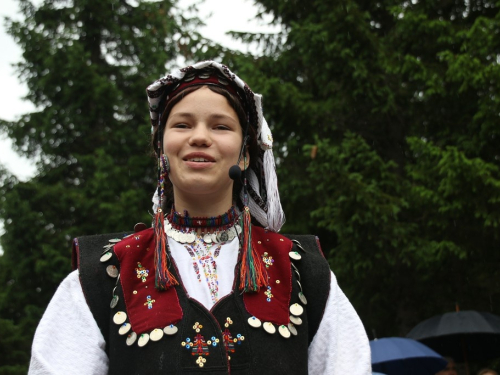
<point>199,188</point>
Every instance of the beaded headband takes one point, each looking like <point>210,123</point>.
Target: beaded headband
<point>204,77</point>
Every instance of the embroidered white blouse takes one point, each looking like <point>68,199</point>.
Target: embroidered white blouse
<point>68,340</point>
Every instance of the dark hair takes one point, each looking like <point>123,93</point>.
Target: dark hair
<point>236,104</point>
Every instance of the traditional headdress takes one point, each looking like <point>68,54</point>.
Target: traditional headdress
<point>263,198</point>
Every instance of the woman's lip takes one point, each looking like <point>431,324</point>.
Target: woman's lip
<point>198,155</point>
<point>198,164</point>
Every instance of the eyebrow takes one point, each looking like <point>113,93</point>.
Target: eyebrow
<point>215,116</point>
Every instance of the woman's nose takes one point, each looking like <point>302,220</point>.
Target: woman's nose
<point>200,136</point>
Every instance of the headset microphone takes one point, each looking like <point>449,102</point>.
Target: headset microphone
<point>235,171</point>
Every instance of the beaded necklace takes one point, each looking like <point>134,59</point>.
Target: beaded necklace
<point>215,222</point>
<point>185,229</point>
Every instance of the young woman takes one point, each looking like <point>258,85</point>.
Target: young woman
<point>211,287</point>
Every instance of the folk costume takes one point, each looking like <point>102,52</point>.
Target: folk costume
<point>216,295</point>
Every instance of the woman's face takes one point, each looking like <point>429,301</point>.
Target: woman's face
<point>202,140</point>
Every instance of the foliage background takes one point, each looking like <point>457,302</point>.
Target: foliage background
<point>386,120</point>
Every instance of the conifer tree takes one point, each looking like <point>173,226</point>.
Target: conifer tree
<point>385,115</point>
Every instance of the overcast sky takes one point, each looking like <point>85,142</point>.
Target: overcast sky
<point>219,15</point>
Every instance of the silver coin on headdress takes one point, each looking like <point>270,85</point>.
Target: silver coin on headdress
<point>189,77</point>
<point>223,81</point>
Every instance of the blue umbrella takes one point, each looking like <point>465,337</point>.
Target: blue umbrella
<point>402,356</point>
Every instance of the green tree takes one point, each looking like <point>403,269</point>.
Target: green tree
<point>385,116</point>
<point>86,65</point>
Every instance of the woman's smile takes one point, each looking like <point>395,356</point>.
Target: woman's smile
<point>199,160</point>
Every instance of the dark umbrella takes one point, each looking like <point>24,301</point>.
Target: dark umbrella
<point>463,335</point>
<point>402,356</point>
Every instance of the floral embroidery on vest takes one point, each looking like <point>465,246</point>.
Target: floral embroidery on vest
<point>228,338</point>
<point>142,272</point>
<point>268,260</point>
<point>199,346</point>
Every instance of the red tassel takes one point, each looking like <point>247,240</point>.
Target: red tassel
<point>163,278</point>
<point>253,274</point>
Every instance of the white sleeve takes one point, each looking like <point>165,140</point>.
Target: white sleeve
<point>68,340</point>
<point>340,345</point>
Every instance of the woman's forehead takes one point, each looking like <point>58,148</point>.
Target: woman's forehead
<point>203,101</point>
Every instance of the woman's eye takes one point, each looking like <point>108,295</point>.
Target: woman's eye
<point>222,127</point>
<point>180,126</point>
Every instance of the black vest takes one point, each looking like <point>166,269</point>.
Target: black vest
<point>225,343</point>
